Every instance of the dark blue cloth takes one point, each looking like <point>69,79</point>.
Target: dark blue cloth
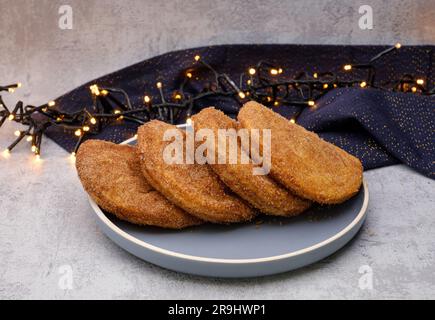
<point>379,127</point>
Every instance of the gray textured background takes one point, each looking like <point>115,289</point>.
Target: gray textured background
<point>45,220</point>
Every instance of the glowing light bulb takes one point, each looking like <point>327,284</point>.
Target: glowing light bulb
<point>147,99</point>
<point>398,45</point>
<point>19,84</point>
<point>242,95</point>
<point>33,148</point>
<point>273,72</point>
<point>94,90</point>
<point>37,158</point>
<point>177,96</point>
<point>315,75</point>
<point>51,103</point>
<point>189,75</point>
<point>363,84</point>
<point>93,120</point>
<point>159,85</point>
<point>292,120</point>
<point>420,81</point>
<point>73,156</point>
<point>269,99</point>
<point>17,133</point>
<point>29,138</point>
<point>414,89</point>
<point>280,70</point>
<point>311,103</point>
<point>252,71</point>
<point>249,82</point>
<point>11,90</point>
<point>11,117</point>
<point>325,86</point>
<point>78,132</point>
<point>276,103</point>
<point>6,153</point>
<point>347,67</point>
<point>189,121</point>
<point>197,57</point>
<point>117,111</point>
<point>104,92</point>
<point>86,128</point>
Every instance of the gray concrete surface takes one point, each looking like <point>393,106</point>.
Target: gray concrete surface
<point>46,222</point>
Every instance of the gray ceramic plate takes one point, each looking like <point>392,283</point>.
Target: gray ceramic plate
<point>264,247</point>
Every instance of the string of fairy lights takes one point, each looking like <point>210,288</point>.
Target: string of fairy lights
<point>263,82</point>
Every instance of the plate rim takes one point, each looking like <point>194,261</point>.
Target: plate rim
<point>173,254</point>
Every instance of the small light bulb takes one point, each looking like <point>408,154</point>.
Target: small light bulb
<point>189,121</point>
<point>93,120</point>
<point>398,45</point>
<point>117,112</point>
<point>29,138</point>
<point>6,153</point>
<point>315,75</point>
<point>347,67</point>
<point>58,119</point>
<point>335,85</point>
<point>159,85</point>
<point>104,92</point>
<point>249,82</point>
<point>197,57</point>
<point>269,99</point>
<point>37,158</point>
<point>279,70</point>
<point>252,71</point>
<point>420,81</point>
<point>147,99</point>
<point>325,86</point>
<point>11,90</point>
<point>94,90</point>
<point>73,156</point>
<point>363,84</point>
<point>414,89</point>
<point>242,95</point>
<point>135,135</point>
<point>51,103</point>
<point>19,84</point>
<point>292,120</point>
<point>78,132</point>
<point>177,96</point>
<point>33,148</point>
<point>276,103</point>
<point>311,103</point>
<point>11,117</point>
<point>189,75</point>
<point>273,72</point>
<point>86,128</point>
<point>17,133</point>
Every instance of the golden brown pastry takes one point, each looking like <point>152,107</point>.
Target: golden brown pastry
<point>111,174</point>
<point>260,191</point>
<point>304,163</point>
<point>193,187</point>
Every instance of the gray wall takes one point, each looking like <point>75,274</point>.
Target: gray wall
<point>108,35</point>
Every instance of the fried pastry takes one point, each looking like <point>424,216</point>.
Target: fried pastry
<point>260,191</point>
<point>193,187</point>
<point>301,161</point>
<point>111,174</point>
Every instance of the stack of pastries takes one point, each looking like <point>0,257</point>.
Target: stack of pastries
<point>135,183</point>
